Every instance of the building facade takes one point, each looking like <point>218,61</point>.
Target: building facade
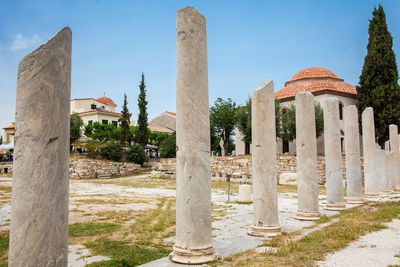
<point>322,83</point>
<point>100,110</point>
<point>9,131</point>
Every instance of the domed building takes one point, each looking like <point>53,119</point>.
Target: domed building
<point>322,83</point>
<point>92,110</point>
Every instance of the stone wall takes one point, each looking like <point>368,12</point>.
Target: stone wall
<point>92,168</point>
<point>7,165</point>
<point>239,167</point>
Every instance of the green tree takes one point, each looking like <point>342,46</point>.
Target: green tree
<point>288,122</point>
<point>378,87</point>
<point>102,132</point>
<point>156,138</point>
<point>168,146</point>
<point>142,135</point>
<point>75,131</point>
<point>222,118</point>
<point>136,154</point>
<point>243,120</point>
<point>125,121</point>
<point>112,151</point>
<point>1,140</point>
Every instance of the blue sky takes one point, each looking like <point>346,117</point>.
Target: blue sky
<point>248,43</point>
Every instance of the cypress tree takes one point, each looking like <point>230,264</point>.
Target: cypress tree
<point>378,87</point>
<point>142,135</point>
<point>125,120</point>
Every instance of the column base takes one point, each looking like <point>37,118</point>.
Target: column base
<point>371,194</point>
<point>264,231</point>
<point>355,200</point>
<point>397,187</point>
<point>335,206</point>
<point>307,216</point>
<point>192,256</point>
<point>384,191</point>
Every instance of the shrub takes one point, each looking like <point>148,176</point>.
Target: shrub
<point>168,146</point>
<point>136,154</point>
<point>113,151</point>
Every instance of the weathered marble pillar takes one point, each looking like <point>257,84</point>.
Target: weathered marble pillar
<point>369,149</point>
<point>265,191</point>
<point>39,204</point>
<point>193,182</point>
<point>394,146</point>
<point>383,182</point>
<point>306,147</point>
<point>390,170</point>
<point>352,150</point>
<point>333,156</point>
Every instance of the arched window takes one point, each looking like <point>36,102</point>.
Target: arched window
<point>340,111</point>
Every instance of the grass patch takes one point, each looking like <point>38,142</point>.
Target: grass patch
<point>4,241</point>
<point>352,224</point>
<point>223,186</point>
<point>92,228</point>
<point>144,238</point>
<point>244,202</point>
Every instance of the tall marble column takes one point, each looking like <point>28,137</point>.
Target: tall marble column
<point>383,182</point>
<point>265,191</point>
<point>394,146</point>
<point>369,149</point>
<point>306,147</point>
<point>193,182</point>
<point>39,204</point>
<point>352,150</point>
<point>390,170</point>
<point>333,156</point>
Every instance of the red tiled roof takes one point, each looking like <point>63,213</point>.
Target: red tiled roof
<point>106,100</point>
<point>314,72</point>
<point>171,113</point>
<point>335,85</point>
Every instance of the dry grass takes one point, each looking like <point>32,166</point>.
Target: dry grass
<point>305,251</point>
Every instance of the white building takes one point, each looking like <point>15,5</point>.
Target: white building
<point>92,110</point>
<point>322,83</point>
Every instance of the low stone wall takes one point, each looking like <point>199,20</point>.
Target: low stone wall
<point>7,165</point>
<point>239,167</point>
<point>92,168</point>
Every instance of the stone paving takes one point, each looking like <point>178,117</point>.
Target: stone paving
<point>229,230</point>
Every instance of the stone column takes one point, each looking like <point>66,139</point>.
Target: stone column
<point>193,182</point>
<point>369,149</point>
<point>306,147</point>
<point>390,170</point>
<point>394,146</point>
<point>39,204</point>
<point>333,156</point>
<point>352,150</point>
<point>265,191</point>
<point>383,182</point>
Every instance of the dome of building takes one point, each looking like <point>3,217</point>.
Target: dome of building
<point>106,100</point>
<point>314,72</point>
<point>313,80</point>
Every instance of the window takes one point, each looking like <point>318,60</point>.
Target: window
<point>93,106</point>
<point>104,121</point>
<point>8,138</point>
<point>340,111</point>
<point>90,122</point>
<point>115,124</point>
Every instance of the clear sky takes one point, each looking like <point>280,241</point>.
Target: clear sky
<point>248,42</point>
